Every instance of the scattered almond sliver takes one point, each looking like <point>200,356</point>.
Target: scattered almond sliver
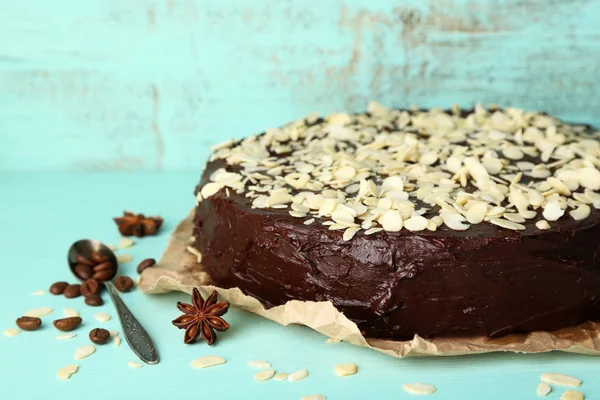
<point>66,336</point>
<point>332,340</point>
<point>345,369</point>
<point>264,375</point>
<point>66,372</point>
<point>298,375</point>
<point>38,293</point>
<point>543,389</point>
<point>133,364</point>
<point>207,361</point>
<point>125,243</point>
<point>117,341</point>
<point>70,312</point>
<point>571,395</point>
<point>314,397</point>
<point>419,388</point>
<point>84,351</point>
<point>10,332</point>
<point>560,379</point>
<point>38,312</point>
<point>259,364</point>
<point>113,333</point>
<point>281,376</point>
<point>124,258</point>
<point>102,317</point>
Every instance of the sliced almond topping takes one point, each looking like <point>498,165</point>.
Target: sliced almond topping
<point>416,223</point>
<point>102,317</point>
<point>125,243</point>
<point>518,218</point>
<point>264,375</point>
<point>207,361</point>
<point>477,212</point>
<point>571,395</point>
<point>454,221</point>
<point>372,231</point>
<point>513,153</point>
<point>349,233</point>
<point>278,198</point>
<point>66,372</point>
<point>507,224</point>
<point>84,351</point>
<point>589,178</point>
<point>543,389</point>
<point>309,221</point>
<point>133,364</point>
<point>259,364</point>
<point>542,224</point>
<point>314,397</point>
<point>391,221</point>
<point>344,173</point>
<point>10,332</point>
<point>419,388</point>
<point>552,211</point>
<point>581,212</point>
<point>38,312</point>
<point>559,186</point>
<point>70,312</point>
<point>298,375</point>
<point>560,379</point>
<point>345,369</point>
<point>210,189</point>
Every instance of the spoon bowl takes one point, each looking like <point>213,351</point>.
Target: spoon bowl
<point>135,334</point>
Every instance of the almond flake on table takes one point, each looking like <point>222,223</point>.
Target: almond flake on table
<point>259,364</point>
<point>207,361</point>
<point>264,375</point>
<point>332,340</point>
<point>133,364</point>
<point>572,395</point>
<point>560,379</point>
<point>543,389</point>
<point>298,375</point>
<point>124,258</point>
<point>84,352</point>
<point>38,312</point>
<point>125,243</point>
<point>66,336</point>
<point>281,376</point>
<point>38,293</point>
<point>10,332</point>
<point>419,388</point>
<point>70,312</point>
<point>113,333</point>
<point>345,369</point>
<point>117,341</point>
<point>314,397</point>
<point>102,317</point>
<point>66,372</point>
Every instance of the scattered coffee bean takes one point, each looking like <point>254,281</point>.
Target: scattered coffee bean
<point>90,287</point>
<point>94,300</point>
<point>72,291</point>
<point>84,261</point>
<point>123,283</point>
<point>98,259</point>
<point>104,276</point>
<point>67,324</point>
<point>83,271</point>
<point>58,288</point>
<point>29,323</point>
<point>147,263</point>
<point>106,266</point>
<point>99,335</point>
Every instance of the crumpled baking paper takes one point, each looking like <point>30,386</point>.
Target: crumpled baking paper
<point>179,270</point>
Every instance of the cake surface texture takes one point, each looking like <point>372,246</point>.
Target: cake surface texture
<point>429,222</point>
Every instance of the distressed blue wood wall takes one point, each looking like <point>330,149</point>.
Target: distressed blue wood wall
<point>115,84</point>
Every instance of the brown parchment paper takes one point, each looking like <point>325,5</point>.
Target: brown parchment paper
<point>179,270</point>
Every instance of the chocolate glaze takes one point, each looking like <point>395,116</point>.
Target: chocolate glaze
<point>485,280</point>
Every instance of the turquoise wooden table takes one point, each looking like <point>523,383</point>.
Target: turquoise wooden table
<point>43,213</point>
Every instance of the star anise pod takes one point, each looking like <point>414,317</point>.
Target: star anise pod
<point>131,224</point>
<point>202,318</point>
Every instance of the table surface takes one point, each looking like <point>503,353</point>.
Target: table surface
<point>43,213</point>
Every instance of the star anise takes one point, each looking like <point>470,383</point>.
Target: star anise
<point>202,318</point>
<point>131,224</point>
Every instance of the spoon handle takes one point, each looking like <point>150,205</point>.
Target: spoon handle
<point>135,334</point>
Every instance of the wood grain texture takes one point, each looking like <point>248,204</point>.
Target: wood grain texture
<point>146,85</point>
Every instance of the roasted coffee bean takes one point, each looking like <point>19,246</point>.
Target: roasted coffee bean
<point>107,266</point>
<point>84,261</point>
<point>29,323</point>
<point>72,291</point>
<point>83,271</point>
<point>94,300</point>
<point>123,283</point>
<point>67,324</point>
<point>147,263</point>
<point>99,335</point>
<point>89,287</point>
<point>104,276</point>
<point>58,288</point>
<point>98,259</point>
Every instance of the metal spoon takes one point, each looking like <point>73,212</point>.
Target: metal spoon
<point>135,334</point>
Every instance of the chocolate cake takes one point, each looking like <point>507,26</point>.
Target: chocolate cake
<point>428,222</point>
